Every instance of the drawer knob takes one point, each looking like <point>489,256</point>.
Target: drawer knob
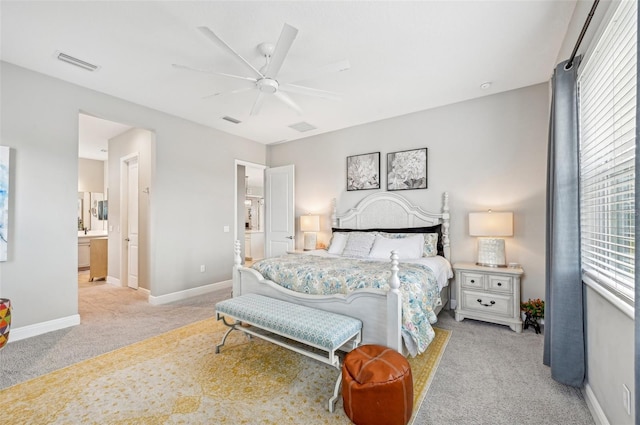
<point>473,281</point>
<point>484,304</point>
<point>499,283</point>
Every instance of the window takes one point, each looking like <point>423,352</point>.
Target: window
<point>607,126</point>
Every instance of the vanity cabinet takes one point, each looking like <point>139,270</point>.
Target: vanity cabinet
<point>84,255</point>
<point>98,258</point>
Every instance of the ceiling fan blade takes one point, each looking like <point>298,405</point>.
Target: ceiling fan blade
<point>242,90</point>
<point>288,101</point>
<point>217,40</point>
<point>281,50</point>
<point>208,71</point>
<point>340,66</point>
<point>308,91</point>
<point>255,109</point>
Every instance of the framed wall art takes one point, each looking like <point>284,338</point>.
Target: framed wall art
<point>363,171</point>
<point>407,169</point>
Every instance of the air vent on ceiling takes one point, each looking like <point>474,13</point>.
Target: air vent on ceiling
<point>302,126</point>
<point>77,62</point>
<point>231,119</point>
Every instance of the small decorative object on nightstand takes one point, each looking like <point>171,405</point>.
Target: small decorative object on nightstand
<point>489,294</point>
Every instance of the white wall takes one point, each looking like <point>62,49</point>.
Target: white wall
<point>91,175</point>
<point>487,153</point>
<point>191,202</point>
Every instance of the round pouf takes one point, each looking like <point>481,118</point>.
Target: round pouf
<point>377,386</point>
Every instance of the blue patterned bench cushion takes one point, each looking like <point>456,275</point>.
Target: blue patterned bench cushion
<point>312,326</point>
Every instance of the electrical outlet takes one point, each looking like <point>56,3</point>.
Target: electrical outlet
<point>226,229</point>
<point>202,268</point>
<point>626,399</point>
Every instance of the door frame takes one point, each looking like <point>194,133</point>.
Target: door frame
<point>124,215</point>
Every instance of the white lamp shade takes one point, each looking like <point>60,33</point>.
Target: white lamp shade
<point>491,223</point>
<point>310,223</point>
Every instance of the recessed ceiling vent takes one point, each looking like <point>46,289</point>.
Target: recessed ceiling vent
<point>77,62</point>
<point>302,126</point>
<point>231,119</point>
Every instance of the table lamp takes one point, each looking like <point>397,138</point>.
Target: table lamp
<point>310,224</point>
<point>488,225</point>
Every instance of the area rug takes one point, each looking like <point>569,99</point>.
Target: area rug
<point>176,378</point>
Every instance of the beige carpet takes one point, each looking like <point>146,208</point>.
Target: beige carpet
<point>177,378</point>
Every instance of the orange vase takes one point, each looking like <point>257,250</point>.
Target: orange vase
<point>5,321</point>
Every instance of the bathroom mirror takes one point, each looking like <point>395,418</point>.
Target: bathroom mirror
<point>92,211</point>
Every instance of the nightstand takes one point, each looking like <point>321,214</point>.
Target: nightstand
<point>491,294</point>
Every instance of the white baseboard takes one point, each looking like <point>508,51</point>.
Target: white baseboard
<point>594,407</point>
<point>188,293</point>
<point>453,304</point>
<point>113,281</point>
<point>16,334</point>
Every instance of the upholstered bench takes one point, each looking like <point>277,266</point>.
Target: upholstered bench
<point>377,386</point>
<point>320,331</point>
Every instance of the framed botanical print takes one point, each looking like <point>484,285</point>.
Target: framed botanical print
<point>363,171</point>
<point>407,169</point>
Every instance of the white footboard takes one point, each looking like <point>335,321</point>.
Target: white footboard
<point>380,311</point>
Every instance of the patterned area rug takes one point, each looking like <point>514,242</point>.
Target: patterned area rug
<point>177,378</point>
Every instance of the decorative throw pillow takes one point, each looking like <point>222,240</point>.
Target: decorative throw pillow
<point>426,229</point>
<point>408,248</point>
<point>338,242</point>
<point>430,241</point>
<point>359,244</point>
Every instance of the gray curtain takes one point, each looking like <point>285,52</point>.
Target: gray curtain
<point>564,347</point>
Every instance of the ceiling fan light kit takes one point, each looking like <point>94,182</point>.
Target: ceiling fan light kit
<point>265,79</point>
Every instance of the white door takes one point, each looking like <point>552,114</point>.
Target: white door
<point>131,234</point>
<point>280,211</point>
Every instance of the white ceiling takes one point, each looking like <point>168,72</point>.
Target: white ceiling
<point>405,56</point>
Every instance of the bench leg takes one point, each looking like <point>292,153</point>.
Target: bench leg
<point>336,390</point>
<point>231,327</point>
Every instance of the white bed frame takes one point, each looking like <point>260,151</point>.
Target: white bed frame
<point>379,310</point>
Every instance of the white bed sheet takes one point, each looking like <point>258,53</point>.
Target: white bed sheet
<point>441,266</point>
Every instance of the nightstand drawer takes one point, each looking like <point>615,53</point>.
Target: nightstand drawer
<point>472,280</point>
<point>482,302</point>
<point>500,283</point>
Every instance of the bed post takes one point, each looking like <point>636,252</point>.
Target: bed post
<point>394,307</point>
<point>237,263</point>
<point>445,226</point>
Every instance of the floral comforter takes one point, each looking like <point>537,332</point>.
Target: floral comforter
<point>324,276</point>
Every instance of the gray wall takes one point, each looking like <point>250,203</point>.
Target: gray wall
<point>91,175</point>
<point>487,153</point>
<point>192,199</point>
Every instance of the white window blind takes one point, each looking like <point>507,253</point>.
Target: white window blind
<point>607,123</point>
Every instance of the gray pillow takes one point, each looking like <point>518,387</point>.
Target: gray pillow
<point>359,244</point>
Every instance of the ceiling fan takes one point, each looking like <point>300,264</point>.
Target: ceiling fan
<point>265,80</point>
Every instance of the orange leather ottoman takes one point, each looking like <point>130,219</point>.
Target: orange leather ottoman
<point>377,386</point>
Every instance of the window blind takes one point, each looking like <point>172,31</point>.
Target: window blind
<point>607,122</point>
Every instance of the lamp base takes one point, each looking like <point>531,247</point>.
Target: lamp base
<point>310,239</point>
<point>491,252</point>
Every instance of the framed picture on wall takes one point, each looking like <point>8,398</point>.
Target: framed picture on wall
<point>407,169</point>
<point>363,171</point>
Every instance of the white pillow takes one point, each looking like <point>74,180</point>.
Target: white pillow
<point>408,248</point>
<point>338,242</point>
<point>359,244</point>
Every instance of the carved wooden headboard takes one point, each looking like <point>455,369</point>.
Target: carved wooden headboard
<point>391,211</point>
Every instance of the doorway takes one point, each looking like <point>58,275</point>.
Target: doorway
<point>250,211</point>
